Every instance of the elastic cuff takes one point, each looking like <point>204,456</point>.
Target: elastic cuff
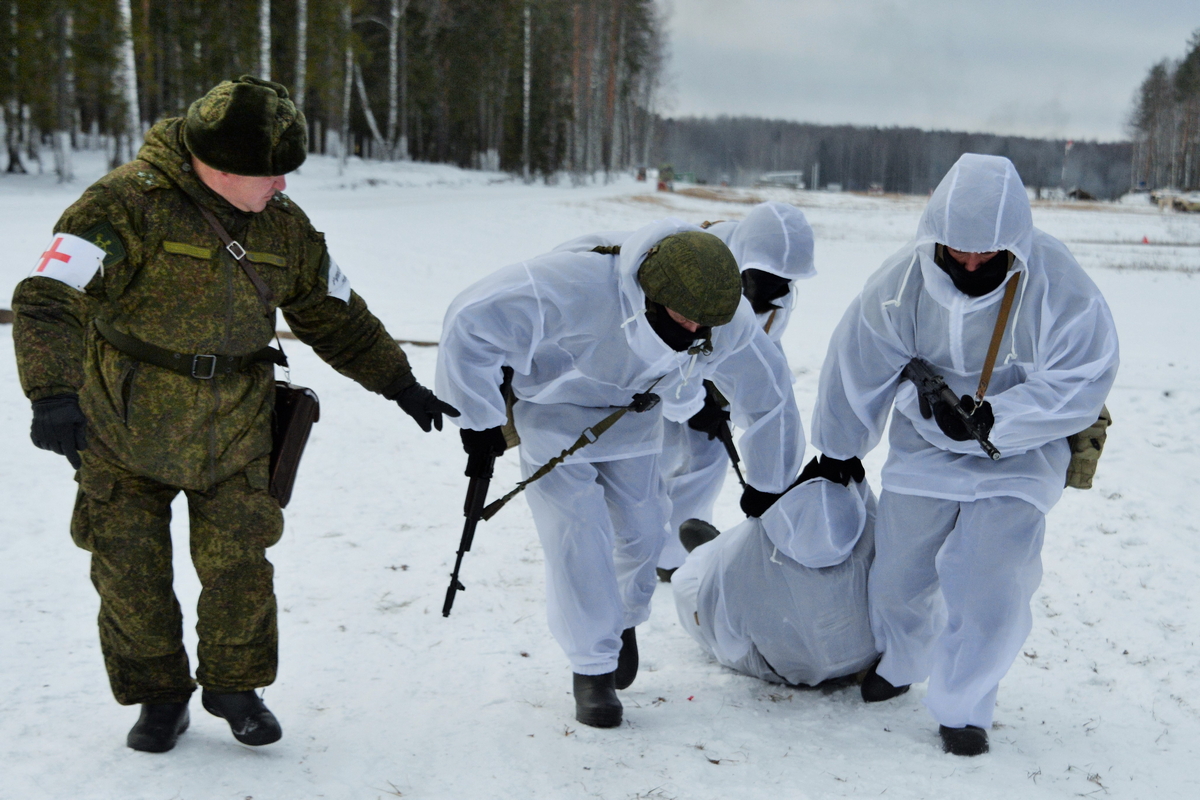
<point>399,385</point>
<point>41,393</point>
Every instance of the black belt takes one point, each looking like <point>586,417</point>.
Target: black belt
<point>202,366</point>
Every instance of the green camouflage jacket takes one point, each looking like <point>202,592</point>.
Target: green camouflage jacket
<point>167,280</point>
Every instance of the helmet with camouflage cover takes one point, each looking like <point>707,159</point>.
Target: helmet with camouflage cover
<point>693,274</point>
<point>247,127</point>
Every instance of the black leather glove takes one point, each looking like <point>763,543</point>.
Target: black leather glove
<point>755,503</point>
<point>59,426</point>
<point>482,448</point>
<point>644,401</point>
<point>712,419</point>
<point>422,405</point>
<point>952,425</point>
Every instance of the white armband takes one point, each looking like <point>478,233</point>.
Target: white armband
<point>70,259</point>
<point>338,283</point>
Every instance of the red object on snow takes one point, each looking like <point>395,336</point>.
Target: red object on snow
<point>690,696</point>
<point>1145,240</point>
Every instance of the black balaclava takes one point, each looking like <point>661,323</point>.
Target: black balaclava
<point>986,278</point>
<point>762,288</point>
<point>676,337</point>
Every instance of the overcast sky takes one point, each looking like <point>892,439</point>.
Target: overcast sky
<point>1045,68</point>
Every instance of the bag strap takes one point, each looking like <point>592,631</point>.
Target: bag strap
<point>1010,292</point>
<point>239,253</point>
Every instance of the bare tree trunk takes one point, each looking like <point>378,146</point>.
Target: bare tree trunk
<point>301,54</point>
<point>126,80</point>
<point>264,39</point>
<point>12,111</point>
<point>397,11</point>
<point>366,105</point>
<point>347,88</point>
<point>402,146</point>
<point>64,95</point>
<point>525,82</point>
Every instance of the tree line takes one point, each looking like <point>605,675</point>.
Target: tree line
<point>539,86</point>
<point>738,150</point>
<point>1165,123</point>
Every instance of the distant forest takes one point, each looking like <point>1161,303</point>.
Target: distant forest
<point>1164,125</point>
<point>907,160</point>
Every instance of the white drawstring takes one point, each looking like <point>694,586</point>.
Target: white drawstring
<point>687,375</point>
<point>773,553</point>
<point>636,314</point>
<point>903,284</point>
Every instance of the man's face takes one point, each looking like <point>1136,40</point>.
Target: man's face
<point>970,261</point>
<point>682,321</point>
<point>244,192</point>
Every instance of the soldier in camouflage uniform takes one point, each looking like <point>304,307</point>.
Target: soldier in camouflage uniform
<point>133,263</point>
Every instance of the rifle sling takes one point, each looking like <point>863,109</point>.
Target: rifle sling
<point>588,436</point>
<point>1010,292</point>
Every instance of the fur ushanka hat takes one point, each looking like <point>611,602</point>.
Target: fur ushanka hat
<point>247,127</point>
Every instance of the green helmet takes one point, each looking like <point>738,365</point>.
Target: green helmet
<point>247,127</point>
<point>693,274</point>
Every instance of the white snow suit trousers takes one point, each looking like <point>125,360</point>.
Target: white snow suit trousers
<point>986,558</point>
<point>694,468</point>
<point>602,527</point>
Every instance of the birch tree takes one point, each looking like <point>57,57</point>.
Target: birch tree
<point>126,85</point>
<point>300,84</point>
<point>264,39</point>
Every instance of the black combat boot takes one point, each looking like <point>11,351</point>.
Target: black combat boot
<point>158,727</point>
<point>627,661</point>
<point>876,689</point>
<point>596,702</point>
<point>251,722</point>
<point>968,741</point>
<point>695,532</point>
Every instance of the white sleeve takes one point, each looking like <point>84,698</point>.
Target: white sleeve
<point>1066,391</point>
<point>858,383</point>
<point>757,382</point>
<point>497,322</point>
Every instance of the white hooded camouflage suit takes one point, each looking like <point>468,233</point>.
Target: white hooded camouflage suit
<point>949,517</point>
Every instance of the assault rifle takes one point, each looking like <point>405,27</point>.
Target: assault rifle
<point>479,469</point>
<point>933,389</point>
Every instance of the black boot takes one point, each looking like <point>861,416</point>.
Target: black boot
<point>251,722</point>
<point>968,741</point>
<point>695,532</point>
<point>596,702</point>
<point>158,727</point>
<point>876,689</point>
<point>627,661</point>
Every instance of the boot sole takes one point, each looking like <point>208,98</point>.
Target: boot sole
<point>158,747</point>
<point>599,717</point>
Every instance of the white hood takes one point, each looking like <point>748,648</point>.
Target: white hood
<point>980,206</point>
<point>775,238</point>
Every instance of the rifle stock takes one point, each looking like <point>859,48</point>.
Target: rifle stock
<point>479,469</point>
<point>932,388</point>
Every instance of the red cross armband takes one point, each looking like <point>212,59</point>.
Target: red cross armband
<point>70,259</point>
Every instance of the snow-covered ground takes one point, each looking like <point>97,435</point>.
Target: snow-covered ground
<point>380,696</point>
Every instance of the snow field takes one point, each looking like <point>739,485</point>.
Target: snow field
<point>379,696</point>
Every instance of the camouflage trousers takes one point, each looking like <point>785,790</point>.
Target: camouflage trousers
<point>123,520</point>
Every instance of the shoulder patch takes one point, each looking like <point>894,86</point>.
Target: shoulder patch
<point>104,237</point>
<point>338,283</point>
